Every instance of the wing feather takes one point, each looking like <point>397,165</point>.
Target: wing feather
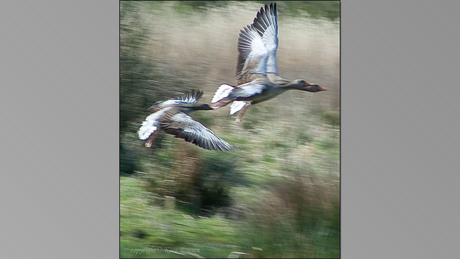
<point>266,23</point>
<point>253,55</point>
<point>188,98</point>
<point>183,126</point>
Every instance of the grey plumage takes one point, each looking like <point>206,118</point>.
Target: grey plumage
<point>172,117</point>
<point>257,69</point>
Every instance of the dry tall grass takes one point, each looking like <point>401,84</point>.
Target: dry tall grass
<point>201,49</point>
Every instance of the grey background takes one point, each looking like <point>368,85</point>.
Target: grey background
<point>59,143</point>
<point>400,127</point>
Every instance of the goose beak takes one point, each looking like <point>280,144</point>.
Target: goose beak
<point>320,88</point>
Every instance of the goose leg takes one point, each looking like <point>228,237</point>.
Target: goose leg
<point>150,140</point>
<point>241,113</point>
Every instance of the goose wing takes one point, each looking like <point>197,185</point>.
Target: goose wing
<point>252,57</point>
<point>188,98</point>
<point>247,91</point>
<point>183,126</point>
<point>266,23</point>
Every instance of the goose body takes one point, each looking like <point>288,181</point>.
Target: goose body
<point>257,70</point>
<point>172,117</point>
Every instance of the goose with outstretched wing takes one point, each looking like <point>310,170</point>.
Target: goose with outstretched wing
<point>257,70</point>
<point>172,117</point>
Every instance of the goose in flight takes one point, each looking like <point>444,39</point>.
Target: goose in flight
<point>172,117</point>
<point>257,69</point>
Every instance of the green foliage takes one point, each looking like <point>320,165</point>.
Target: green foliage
<point>145,227</point>
<point>194,6</point>
<point>331,117</point>
<point>218,173</point>
<point>317,9</point>
<point>199,179</point>
<point>299,217</point>
<point>303,138</point>
<point>127,161</point>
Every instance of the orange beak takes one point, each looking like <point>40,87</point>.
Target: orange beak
<point>320,88</point>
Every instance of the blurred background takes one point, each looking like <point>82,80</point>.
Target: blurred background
<point>279,194</point>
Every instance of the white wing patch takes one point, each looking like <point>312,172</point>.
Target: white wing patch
<point>222,92</point>
<point>236,106</point>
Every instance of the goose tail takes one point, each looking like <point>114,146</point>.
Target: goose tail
<point>236,106</point>
<point>148,126</point>
<point>222,93</point>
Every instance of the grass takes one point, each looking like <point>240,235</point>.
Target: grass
<point>282,182</point>
<point>150,231</point>
<point>287,191</point>
<point>167,228</point>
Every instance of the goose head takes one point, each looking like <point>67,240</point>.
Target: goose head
<point>303,85</point>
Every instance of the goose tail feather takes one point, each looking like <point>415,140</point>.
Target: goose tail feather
<point>236,106</point>
<point>222,92</point>
<point>149,125</point>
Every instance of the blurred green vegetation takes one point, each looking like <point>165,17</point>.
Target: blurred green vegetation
<point>277,195</point>
<point>316,9</point>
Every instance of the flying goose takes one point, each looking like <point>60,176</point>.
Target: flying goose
<point>172,117</point>
<point>257,69</point>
